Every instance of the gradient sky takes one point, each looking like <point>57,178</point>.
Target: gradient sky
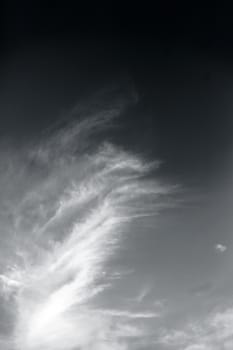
<point>164,83</point>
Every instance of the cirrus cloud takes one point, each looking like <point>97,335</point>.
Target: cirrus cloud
<point>66,204</point>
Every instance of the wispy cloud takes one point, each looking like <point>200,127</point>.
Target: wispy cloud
<point>143,294</point>
<point>213,332</point>
<point>71,200</point>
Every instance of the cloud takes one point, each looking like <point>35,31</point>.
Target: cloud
<point>66,204</point>
<point>220,248</point>
<point>143,294</point>
<point>213,332</point>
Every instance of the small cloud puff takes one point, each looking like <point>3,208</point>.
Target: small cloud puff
<point>220,248</point>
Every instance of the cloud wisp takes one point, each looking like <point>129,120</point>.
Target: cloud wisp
<point>66,204</point>
<point>213,332</point>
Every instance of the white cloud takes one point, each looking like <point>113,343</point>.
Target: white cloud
<point>220,248</point>
<point>128,314</point>
<point>72,204</point>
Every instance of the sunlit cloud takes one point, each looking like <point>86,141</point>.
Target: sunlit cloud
<point>71,201</point>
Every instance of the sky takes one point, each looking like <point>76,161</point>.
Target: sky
<point>116,177</point>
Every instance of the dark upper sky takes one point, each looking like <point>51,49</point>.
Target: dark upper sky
<point>177,57</point>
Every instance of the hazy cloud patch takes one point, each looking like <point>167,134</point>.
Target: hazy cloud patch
<point>213,332</point>
<point>220,248</point>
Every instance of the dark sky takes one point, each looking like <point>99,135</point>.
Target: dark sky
<point>178,57</point>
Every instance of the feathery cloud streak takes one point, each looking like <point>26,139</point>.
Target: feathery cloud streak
<point>70,202</point>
